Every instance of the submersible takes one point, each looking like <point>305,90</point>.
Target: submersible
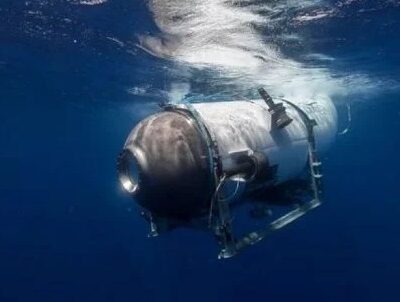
<point>177,163</point>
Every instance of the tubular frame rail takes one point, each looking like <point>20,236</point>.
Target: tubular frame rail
<point>316,186</point>
<point>223,225</point>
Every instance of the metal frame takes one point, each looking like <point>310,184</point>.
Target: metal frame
<point>222,225</point>
<point>316,186</point>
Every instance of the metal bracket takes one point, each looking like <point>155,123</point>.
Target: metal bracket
<point>223,226</point>
<point>154,229</point>
<point>316,186</point>
<point>224,229</point>
<point>279,117</point>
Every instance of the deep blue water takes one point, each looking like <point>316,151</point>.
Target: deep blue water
<point>69,233</point>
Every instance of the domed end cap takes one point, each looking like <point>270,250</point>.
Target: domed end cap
<point>171,156</point>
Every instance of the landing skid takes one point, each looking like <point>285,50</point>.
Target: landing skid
<point>230,246</point>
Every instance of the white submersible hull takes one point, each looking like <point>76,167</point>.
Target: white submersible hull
<point>175,163</point>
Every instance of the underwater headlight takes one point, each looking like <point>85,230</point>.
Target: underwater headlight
<point>129,171</point>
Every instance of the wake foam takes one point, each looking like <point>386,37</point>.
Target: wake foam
<point>231,43</point>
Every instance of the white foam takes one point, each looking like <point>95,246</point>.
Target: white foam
<point>92,2</point>
<point>233,41</point>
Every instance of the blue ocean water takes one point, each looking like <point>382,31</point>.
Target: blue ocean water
<point>76,76</point>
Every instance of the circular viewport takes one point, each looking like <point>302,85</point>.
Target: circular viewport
<point>128,172</point>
